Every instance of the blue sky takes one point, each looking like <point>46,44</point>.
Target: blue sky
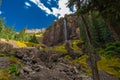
<point>32,13</point>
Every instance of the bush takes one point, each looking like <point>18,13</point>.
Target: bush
<point>111,48</point>
<point>13,69</point>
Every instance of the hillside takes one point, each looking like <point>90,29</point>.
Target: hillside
<point>53,56</point>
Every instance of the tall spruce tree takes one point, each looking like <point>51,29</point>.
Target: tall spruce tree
<point>93,65</point>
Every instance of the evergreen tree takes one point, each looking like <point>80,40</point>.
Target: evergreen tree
<point>99,31</point>
<point>91,48</point>
<point>2,24</point>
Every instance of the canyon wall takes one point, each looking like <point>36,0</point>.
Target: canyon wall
<point>56,34</point>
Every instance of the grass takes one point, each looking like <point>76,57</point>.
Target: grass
<point>13,69</point>
<point>110,65</point>
<point>60,48</point>
<point>74,45</point>
<point>4,75</point>
<point>13,60</point>
<point>21,44</point>
<point>81,60</point>
<point>83,65</point>
<point>2,55</point>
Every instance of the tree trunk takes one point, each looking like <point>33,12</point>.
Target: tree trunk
<point>91,54</point>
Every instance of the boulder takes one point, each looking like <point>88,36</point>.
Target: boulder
<point>27,55</point>
<point>5,47</point>
<point>4,63</point>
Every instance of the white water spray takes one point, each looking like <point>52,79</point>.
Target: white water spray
<point>65,30</point>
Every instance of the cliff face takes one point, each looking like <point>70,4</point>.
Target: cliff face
<point>55,33</point>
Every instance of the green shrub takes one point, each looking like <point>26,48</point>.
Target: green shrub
<point>117,43</point>
<point>111,48</point>
<point>2,55</point>
<point>110,52</point>
<point>13,69</point>
<point>100,51</point>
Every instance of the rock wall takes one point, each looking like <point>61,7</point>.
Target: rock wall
<point>55,33</point>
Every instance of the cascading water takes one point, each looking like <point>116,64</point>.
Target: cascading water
<point>65,30</point>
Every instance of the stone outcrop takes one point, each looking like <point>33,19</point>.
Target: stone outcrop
<point>5,47</point>
<point>47,66</point>
<point>4,62</point>
<point>51,66</point>
<point>55,33</point>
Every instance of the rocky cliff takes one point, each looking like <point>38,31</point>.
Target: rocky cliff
<point>55,33</point>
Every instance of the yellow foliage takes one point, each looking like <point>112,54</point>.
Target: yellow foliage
<point>4,75</point>
<point>74,45</point>
<point>67,57</point>
<point>110,65</point>
<point>84,66</point>
<point>38,35</point>
<point>21,44</point>
<point>60,48</point>
<point>30,44</point>
<point>81,61</point>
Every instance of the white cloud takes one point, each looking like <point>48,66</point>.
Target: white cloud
<point>41,6</point>
<point>61,10</point>
<point>27,4</point>
<point>0,12</point>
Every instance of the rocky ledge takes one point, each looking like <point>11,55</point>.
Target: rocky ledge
<point>36,64</point>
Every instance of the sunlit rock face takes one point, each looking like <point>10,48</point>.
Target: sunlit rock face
<point>55,33</point>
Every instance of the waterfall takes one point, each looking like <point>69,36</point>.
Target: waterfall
<point>65,30</point>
